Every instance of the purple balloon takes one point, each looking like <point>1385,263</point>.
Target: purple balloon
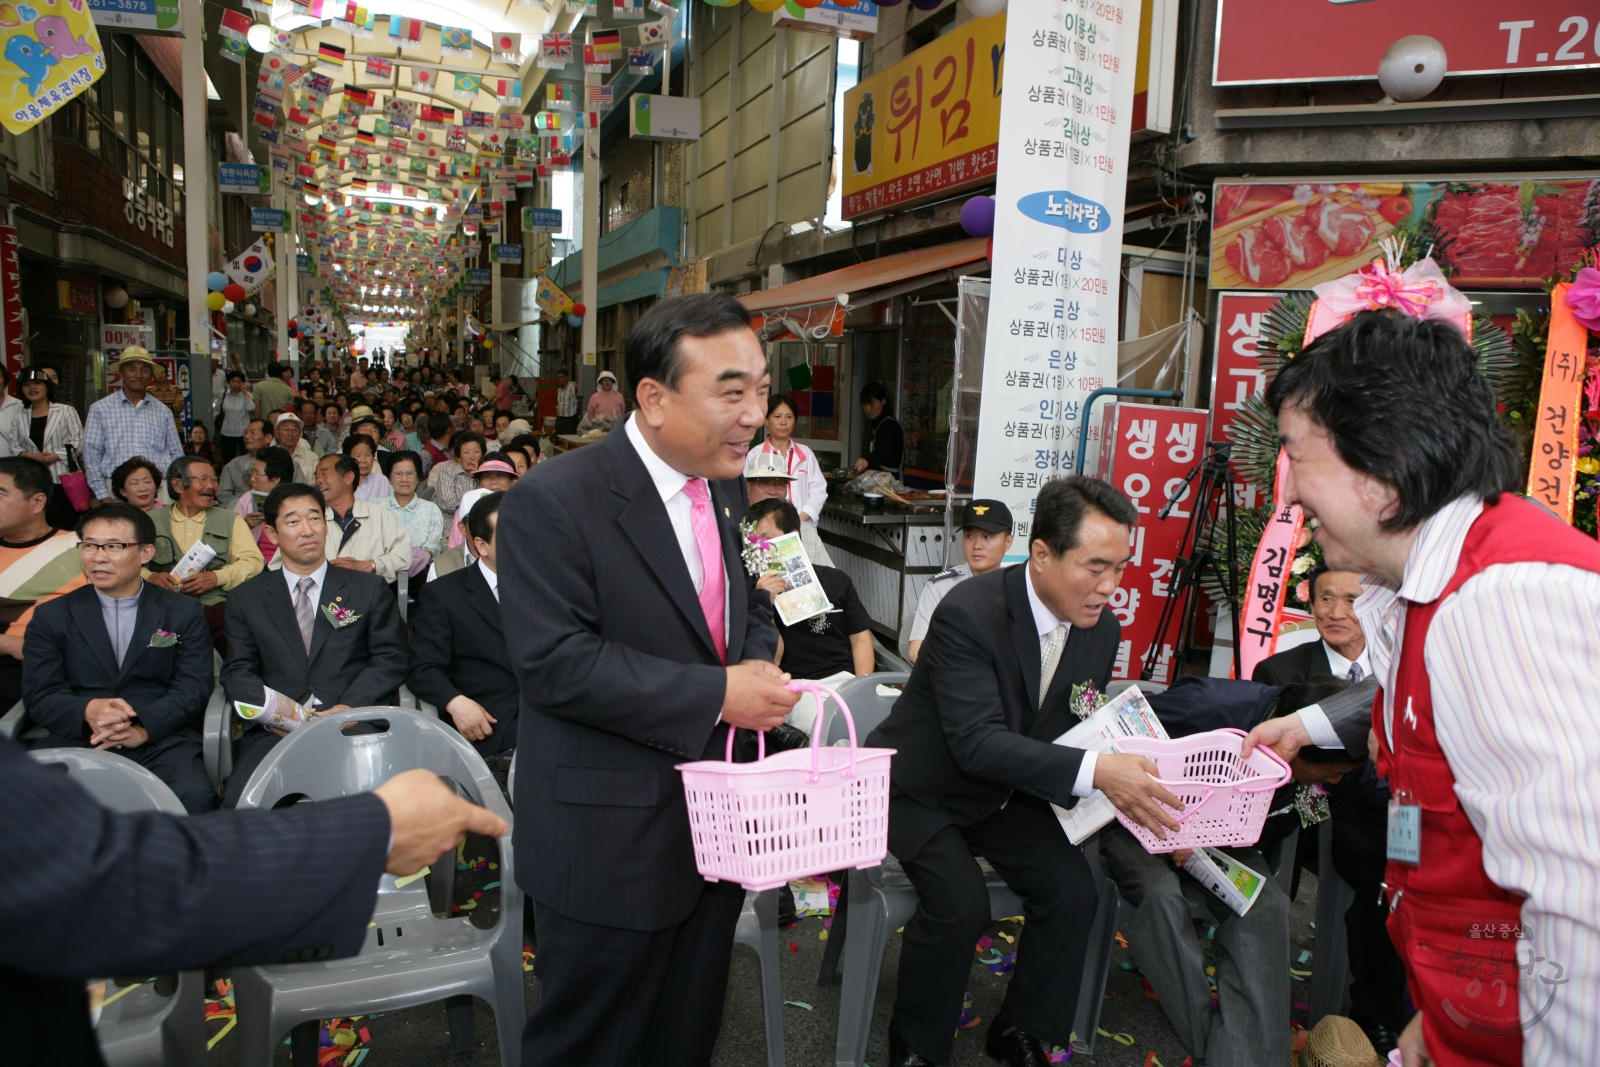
<point>977,215</point>
<point>926,5</point>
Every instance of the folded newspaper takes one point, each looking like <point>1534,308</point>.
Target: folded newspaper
<point>1232,882</point>
<point>804,599</point>
<point>276,710</point>
<point>194,561</point>
<point>1128,714</point>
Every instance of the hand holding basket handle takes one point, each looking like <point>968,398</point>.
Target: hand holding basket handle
<point>1129,782</point>
<point>756,697</point>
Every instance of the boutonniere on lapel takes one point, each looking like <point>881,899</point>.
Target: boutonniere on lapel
<point>755,550</point>
<point>163,639</point>
<point>1086,699</point>
<point>1311,804</point>
<point>338,615</point>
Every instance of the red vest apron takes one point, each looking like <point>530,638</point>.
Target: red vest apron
<point>1454,928</point>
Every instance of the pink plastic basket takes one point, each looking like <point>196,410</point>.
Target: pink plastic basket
<point>793,814</point>
<point>1225,798</point>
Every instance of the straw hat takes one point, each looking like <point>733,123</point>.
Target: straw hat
<point>135,354</point>
<point>1338,1042</point>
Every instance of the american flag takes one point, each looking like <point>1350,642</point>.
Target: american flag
<point>599,94</point>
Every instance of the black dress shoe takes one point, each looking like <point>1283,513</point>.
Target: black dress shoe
<point>1014,1047</point>
<point>900,1055</point>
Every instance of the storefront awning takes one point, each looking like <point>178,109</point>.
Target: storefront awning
<point>876,279</point>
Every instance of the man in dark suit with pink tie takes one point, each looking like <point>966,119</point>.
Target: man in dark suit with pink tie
<point>638,642</point>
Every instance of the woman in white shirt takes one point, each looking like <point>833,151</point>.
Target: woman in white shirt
<point>809,490</point>
<point>38,428</point>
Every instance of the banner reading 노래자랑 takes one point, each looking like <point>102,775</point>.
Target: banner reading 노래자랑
<point>1063,153</point>
<point>51,55</point>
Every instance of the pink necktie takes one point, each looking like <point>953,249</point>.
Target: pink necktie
<point>712,596</point>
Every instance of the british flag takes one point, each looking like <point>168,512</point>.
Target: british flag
<point>556,46</point>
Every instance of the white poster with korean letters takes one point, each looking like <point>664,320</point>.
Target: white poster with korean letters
<point>1065,118</point>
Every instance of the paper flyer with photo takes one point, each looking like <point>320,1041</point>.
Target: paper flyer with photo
<point>194,561</point>
<point>258,500</point>
<point>277,710</point>
<point>1231,881</point>
<point>804,599</point>
<point>1128,714</point>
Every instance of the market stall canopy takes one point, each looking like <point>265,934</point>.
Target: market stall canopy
<point>876,279</point>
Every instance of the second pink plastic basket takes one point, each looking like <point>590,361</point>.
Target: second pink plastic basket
<point>1225,798</point>
<point>790,815</point>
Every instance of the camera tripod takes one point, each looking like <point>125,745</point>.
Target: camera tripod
<point>1196,552</point>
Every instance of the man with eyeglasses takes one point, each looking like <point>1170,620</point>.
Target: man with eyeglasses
<point>124,666</point>
<point>194,516</point>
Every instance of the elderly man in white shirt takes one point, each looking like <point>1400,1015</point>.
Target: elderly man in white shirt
<point>361,535</point>
<point>1482,620</point>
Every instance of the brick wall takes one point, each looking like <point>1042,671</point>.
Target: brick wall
<point>630,162</point>
<point>90,192</point>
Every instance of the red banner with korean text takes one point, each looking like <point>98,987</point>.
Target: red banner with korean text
<point>1236,376</point>
<point>1555,439</point>
<point>1145,451</point>
<point>1261,609</point>
<point>10,300</point>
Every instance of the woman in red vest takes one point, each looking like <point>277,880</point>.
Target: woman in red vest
<point>1482,611</point>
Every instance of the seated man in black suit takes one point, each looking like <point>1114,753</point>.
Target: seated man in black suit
<point>1005,670</point>
<point>1245,1024</point>
<point>459,661</point>
<point>328,637</point>
<point>1342,650</point>
<point>125,665</point>
<point>821,647</point>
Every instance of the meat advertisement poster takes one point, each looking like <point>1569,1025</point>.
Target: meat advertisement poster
<point>1145,451</point>
<point>1315,40</point>
<point>1065,117</point>
<point>1501,234</point>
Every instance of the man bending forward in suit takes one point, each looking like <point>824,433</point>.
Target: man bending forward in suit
<point>327,637</point>
<point>1006,663</point>
<point>637,641</point>
<point>458,653</point>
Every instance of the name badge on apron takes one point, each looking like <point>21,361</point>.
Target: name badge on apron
<point>1405,829</point>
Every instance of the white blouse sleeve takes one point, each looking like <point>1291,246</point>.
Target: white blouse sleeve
<point>814,493</point>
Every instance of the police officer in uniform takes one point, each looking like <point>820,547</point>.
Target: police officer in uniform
<point>985,539</point>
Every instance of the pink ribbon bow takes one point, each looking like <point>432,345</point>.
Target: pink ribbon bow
<point>1382,288</point>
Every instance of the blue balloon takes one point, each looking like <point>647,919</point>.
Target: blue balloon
<point>574,321</point>
<point>216,281</point>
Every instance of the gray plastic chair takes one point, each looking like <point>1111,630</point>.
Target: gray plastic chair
<point>412,956</point>
<point>758,928</point>
<point>1330,953</point>
<point>868,709</point>
<point>142,1027</point>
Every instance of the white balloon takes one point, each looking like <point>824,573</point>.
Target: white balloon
<point>227,307</point>
<point>260,37</point>
<point>984,9</point>
<point>1412,68</point>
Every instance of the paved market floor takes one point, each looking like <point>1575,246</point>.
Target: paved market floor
<point>420,1038</point>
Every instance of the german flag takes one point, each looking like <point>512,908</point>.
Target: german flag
<point>331,54</point>
<point>603,41</point>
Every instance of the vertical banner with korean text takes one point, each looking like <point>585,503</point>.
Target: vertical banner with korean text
<point>1145,451</point>
<point>1064,127</point>
<point>11,333</point>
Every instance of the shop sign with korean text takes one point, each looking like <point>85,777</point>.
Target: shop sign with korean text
<point>244,178</point>
<point>52,55</point>
<point>1145,451</point>
<point>928,126</point>
<point>1236,374</point>
<point>137,16</point>
<point>1511,232</point>
<point>1318,40</point>
<point>11,332</point>
<point>266,220</point>
<point>541,219</point>
<point>858,20</point>
<point>505,253</point>
<point>1063,160</point>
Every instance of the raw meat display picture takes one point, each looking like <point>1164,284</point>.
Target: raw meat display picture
<point>1503,234</point>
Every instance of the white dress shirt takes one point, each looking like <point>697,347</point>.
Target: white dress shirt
<point>1510,657</point>
<point>1044,621</point>
<point>1340,667</point>
<point>670,484</point>
<point>317,577</point>
<point>491,577</point>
